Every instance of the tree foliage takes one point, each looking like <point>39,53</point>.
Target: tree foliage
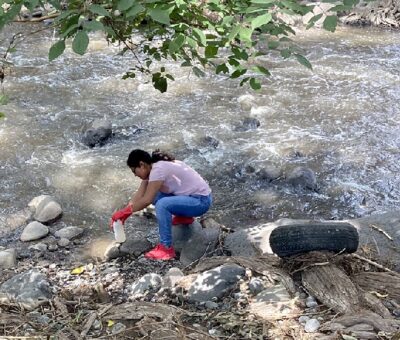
<point>227,36</point>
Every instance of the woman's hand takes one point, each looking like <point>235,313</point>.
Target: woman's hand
<point>121,215</point>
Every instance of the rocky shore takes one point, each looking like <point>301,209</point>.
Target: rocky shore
<point>69,282</point>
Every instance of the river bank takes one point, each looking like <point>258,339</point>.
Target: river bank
<point>63,281</point>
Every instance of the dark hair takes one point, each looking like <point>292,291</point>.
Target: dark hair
<point>136,156</point>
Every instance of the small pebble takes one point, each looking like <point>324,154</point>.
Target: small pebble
<point>303,319</point>
<point>311,326</point>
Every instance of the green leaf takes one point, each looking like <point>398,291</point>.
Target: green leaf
<point>303,61</point>
<point>238,73</point>
<point>80,43</point>
<point>93,25</point>
<point>211,51</point>
<point>233,33</point>
<point>135,10</point>
<point>261,70</point>
<point>261,20</point>
<point>2,115</point>
<point>123,5</point>
<point>313,20</point>
<point>245,34</point>
<point>160,15</point>
<point>177,43</point>
<point>221,68</point>
<point>160,83</point>
<point>3,99</point>
<point>255,84</point>
<point>330,23</point>
<point>262,2</point>
<point>201,38</point>
<point>97,9</point>
<point>56,50</point>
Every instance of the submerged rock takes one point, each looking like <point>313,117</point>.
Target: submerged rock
<point>28,290</point>
<point>98,134</point>
<point>302,177</point>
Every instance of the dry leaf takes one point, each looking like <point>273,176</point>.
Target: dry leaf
<point>78,270</point>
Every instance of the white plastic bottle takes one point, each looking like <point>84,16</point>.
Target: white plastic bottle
<point>119,231</point>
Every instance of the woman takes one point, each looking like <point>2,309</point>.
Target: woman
<point>173,187</point>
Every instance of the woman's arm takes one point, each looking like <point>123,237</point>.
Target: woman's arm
<point>139,192</point>
<point>149,192</point>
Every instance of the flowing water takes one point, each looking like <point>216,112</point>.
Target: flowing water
<point>342,120</point>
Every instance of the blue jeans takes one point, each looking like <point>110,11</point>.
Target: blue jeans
<point>169,204</point>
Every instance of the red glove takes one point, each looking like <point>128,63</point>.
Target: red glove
<point>122,214</point>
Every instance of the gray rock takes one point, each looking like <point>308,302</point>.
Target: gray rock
<point>273,303</point>
<point>312,326</point>
<point>311,303</point>
<point>215,283</point>
<point>63,242</point>
<point>34,203</point>
<point>211,305</point>
<point>256,285</point>
<point>147,282</point>
<point>303,319</point>
<point>47,211</point>
<point>39,247</point>
<point>172,277</point>
<point>182,233</point>
<point>269,173</point>
<point>99,132</point>
<point>118,328</point>
<point>8,258</point>
<point>112,251</point>
<point>69,232</point>
<point>28,290</point>
<point>34,231</point>
<point>134,246</point>
<point>201,244</point>
<point>302,177</point>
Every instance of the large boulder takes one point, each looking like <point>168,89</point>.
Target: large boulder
<point>201,243</point>
<point>98,133</point>
<point>215,283</point>
<point>28,290</point>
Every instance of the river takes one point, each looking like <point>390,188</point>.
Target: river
<point>341,119</point>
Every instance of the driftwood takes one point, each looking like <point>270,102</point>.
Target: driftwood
<point>138,310</point>
<point>377,323</point>
<point>381,283</point>
<point>266,265</point>
<point>332,287</point>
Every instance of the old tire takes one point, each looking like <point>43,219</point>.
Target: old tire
<point>301,238</point>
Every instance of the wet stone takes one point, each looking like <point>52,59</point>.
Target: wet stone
<point>147,282</point>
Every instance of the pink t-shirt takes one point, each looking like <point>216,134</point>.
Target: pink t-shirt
<point>178,178</point>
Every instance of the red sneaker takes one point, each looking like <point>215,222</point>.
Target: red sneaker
<point>182,220</point>
<point>161,252</point>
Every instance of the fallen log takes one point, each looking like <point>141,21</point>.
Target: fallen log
<point>382,283</point>
<point>332,287</point>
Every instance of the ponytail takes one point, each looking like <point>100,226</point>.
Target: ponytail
<point>158,155</point>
